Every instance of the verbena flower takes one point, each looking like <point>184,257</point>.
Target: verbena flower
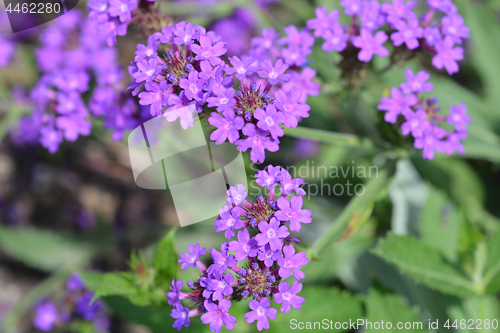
<point>367,30</point>
<point>419,117</point>
<point>72,309</point>
<point>249,266</point>
<point>247,101</point>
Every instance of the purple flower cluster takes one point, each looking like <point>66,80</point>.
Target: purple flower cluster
<point>75,306</point>
<point>70,55</point>
<point>111,17</point>
<point>420,118</point>
<point>254,264</point>
<point>406,28</point>
<point>181,69</point>
<point>6,44</point>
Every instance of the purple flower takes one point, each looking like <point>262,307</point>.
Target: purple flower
<point>224,99</point>
<point>147,70</point>
<point>230,220</point>
<point>173,296</point>
<point>186,33</point>
<point>269,178</point>
<point>267,255</point>
<point>447,55</point>
<point>50,138</point>
<point>217,315</point>
<point>453,26</point>
<point>290,263</point>
<point>243,67</point>
<point>74,125</point>
<point>236,195</point>
<point>416,84</point>
<point>261,312</point>
<point>351,7</point>
<point>432,35</point>
<point>416,123</point>
<point>85,308</point>
<point>222,260</point>
<point>181,314</point>
<point>292,106</point>
<point>208,49</point>
<point>69,102</point>
<point>299,45</point>
<point>258,141</point>
<point>396,105</point>
<point>228,126</point>
<point>407,33</point>
<point>122,8</point>
<point>292,211</point>
<point>193,86</point>
<point>323,21</point>
<point>267,40</point>
<point>399,10</point>
<point>446,6</point>
<point>274,74</point>
<point>303,83</point>
<point>156,96</point>
<point>370,17</point>
<point>220,286</point>
<point>244,247</point>
<point>270,120</point>
<point>335,39</point>
<point>6,51</point>
<point>75,283</point>
<point>459,117</point>
<point>181,108</point>
<point>192,257</point>
<point>430,141</point>
<point>288,184</point>
<point>271,233</point>
<point>99,6</point>
<point>453,143</point>
<point>144,51</point>
<point>370,45</point>
<point>46,316</point>
<point>287,296</point>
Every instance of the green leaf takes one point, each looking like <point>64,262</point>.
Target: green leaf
<point>165,259</point>
<point>441,224</point>
<point>115,284</point>
<point>321,303</point>
<point>491,277</point>
<point>391,308</point>
<point>407,193</point>
<point>43,249</point>
<point>339,139</point>
<point>424,264</point>
<point>357,207</point>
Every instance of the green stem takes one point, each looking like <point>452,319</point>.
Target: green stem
<point>357,205</point>
<point>339,139</point>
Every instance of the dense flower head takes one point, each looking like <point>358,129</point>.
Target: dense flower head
<point>419,117</point>
<point>252,264</point>
<point>67,67</point>
<point>181,71</point>
<point>371,20</point>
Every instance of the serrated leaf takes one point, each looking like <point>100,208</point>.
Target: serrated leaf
<point>321,303</point>
<point>393,309</point>
<point>424,264</point>
<point>441,224</point>
<point>165,259</point>
<point>43,249</point>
